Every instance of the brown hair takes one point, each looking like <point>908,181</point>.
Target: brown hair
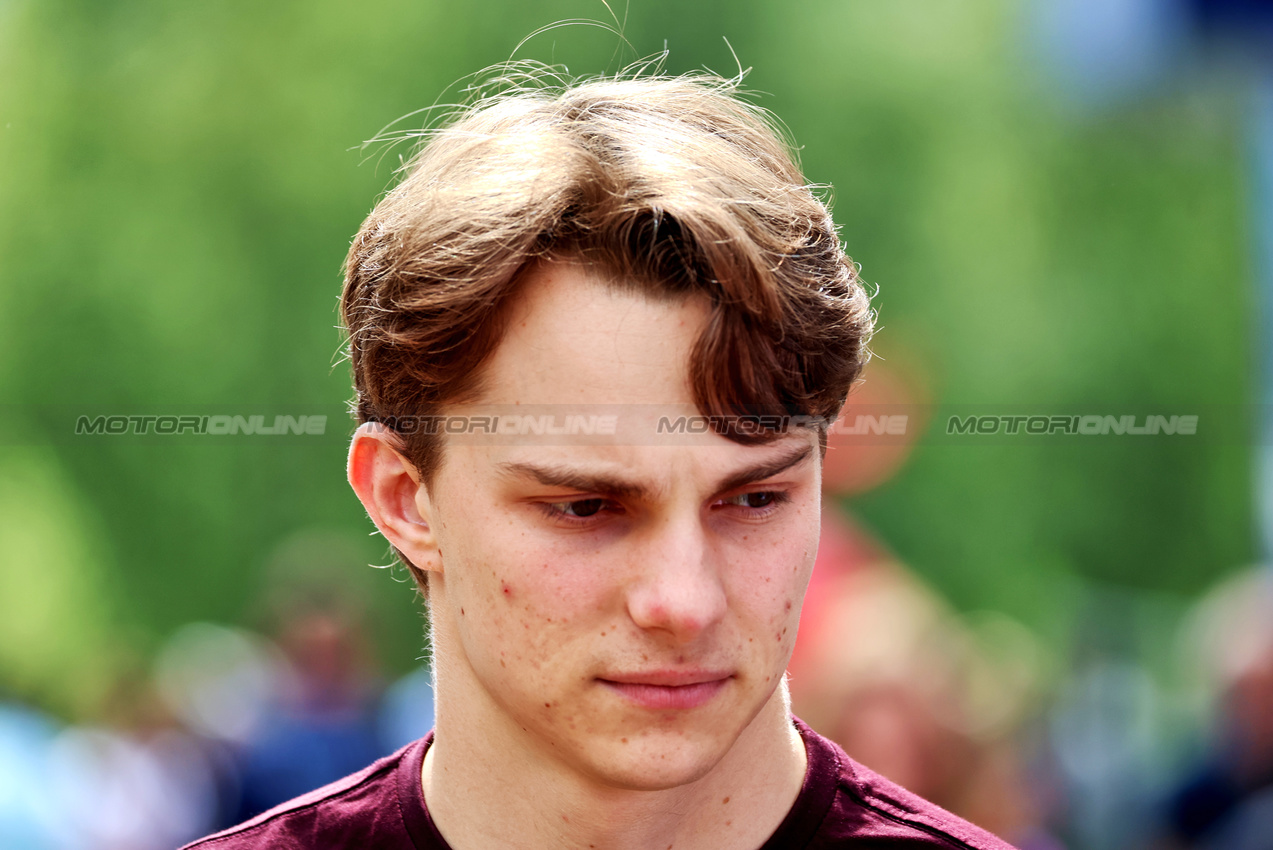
<point>669,184</point>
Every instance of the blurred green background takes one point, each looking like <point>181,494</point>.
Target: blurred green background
<point>179,184</point>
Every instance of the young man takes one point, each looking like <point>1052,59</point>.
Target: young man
<point>614,593</point>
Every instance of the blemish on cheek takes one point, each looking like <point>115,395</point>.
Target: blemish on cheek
<point>508,591</point>
<point>461,612</point>
<point>623,740</point>
<point>726,800</point>
<point>788,604</point>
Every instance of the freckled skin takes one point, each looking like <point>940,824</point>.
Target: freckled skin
<point>684,580</point>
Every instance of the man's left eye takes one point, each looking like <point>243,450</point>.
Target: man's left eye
<point>580,509</point>
<point>759,499</point>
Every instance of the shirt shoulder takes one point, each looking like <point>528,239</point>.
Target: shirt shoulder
<point>865,806</point>
<point>363,809</point>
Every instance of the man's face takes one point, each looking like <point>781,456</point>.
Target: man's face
<point>625,609</point>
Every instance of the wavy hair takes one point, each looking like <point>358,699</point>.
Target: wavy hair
<point>671,185</point>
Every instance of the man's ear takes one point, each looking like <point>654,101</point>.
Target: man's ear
<point>389,487</point>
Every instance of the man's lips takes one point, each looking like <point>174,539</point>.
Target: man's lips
<point>669,689</point>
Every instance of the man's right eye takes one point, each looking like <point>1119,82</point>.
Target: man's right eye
<point>580,510</point>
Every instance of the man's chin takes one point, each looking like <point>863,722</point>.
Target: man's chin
<point>657,761</point>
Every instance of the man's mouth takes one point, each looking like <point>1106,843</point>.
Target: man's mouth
<point>669,689</point>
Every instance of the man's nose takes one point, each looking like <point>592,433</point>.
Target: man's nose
<point>678,586</point>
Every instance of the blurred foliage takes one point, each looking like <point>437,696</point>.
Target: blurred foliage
<point>179,184</point>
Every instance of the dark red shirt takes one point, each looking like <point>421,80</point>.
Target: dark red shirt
<point>841,803</point>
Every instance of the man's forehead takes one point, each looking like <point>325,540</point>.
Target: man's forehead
<point>576,336</point>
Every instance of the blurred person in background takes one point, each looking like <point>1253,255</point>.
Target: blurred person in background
<point>129,779</point>
<point>611,619</point>
<point>406,709</point>
<point>323,724</point>
<point>1226,801</point>
<point>887,669</point>
<point>279,713</point>
<point>321,721</point>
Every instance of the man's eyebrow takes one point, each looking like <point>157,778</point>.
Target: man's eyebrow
<point>612,485</point>
<point>574,479</point>
<point>768,469</point>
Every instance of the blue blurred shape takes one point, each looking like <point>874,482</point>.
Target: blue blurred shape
<point>25,807</point>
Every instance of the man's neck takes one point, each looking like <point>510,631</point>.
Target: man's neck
<point>481,795</point>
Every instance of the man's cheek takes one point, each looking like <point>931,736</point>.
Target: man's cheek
<point>523,624</point>
<point>777,585</point>
<point>784,589</point>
